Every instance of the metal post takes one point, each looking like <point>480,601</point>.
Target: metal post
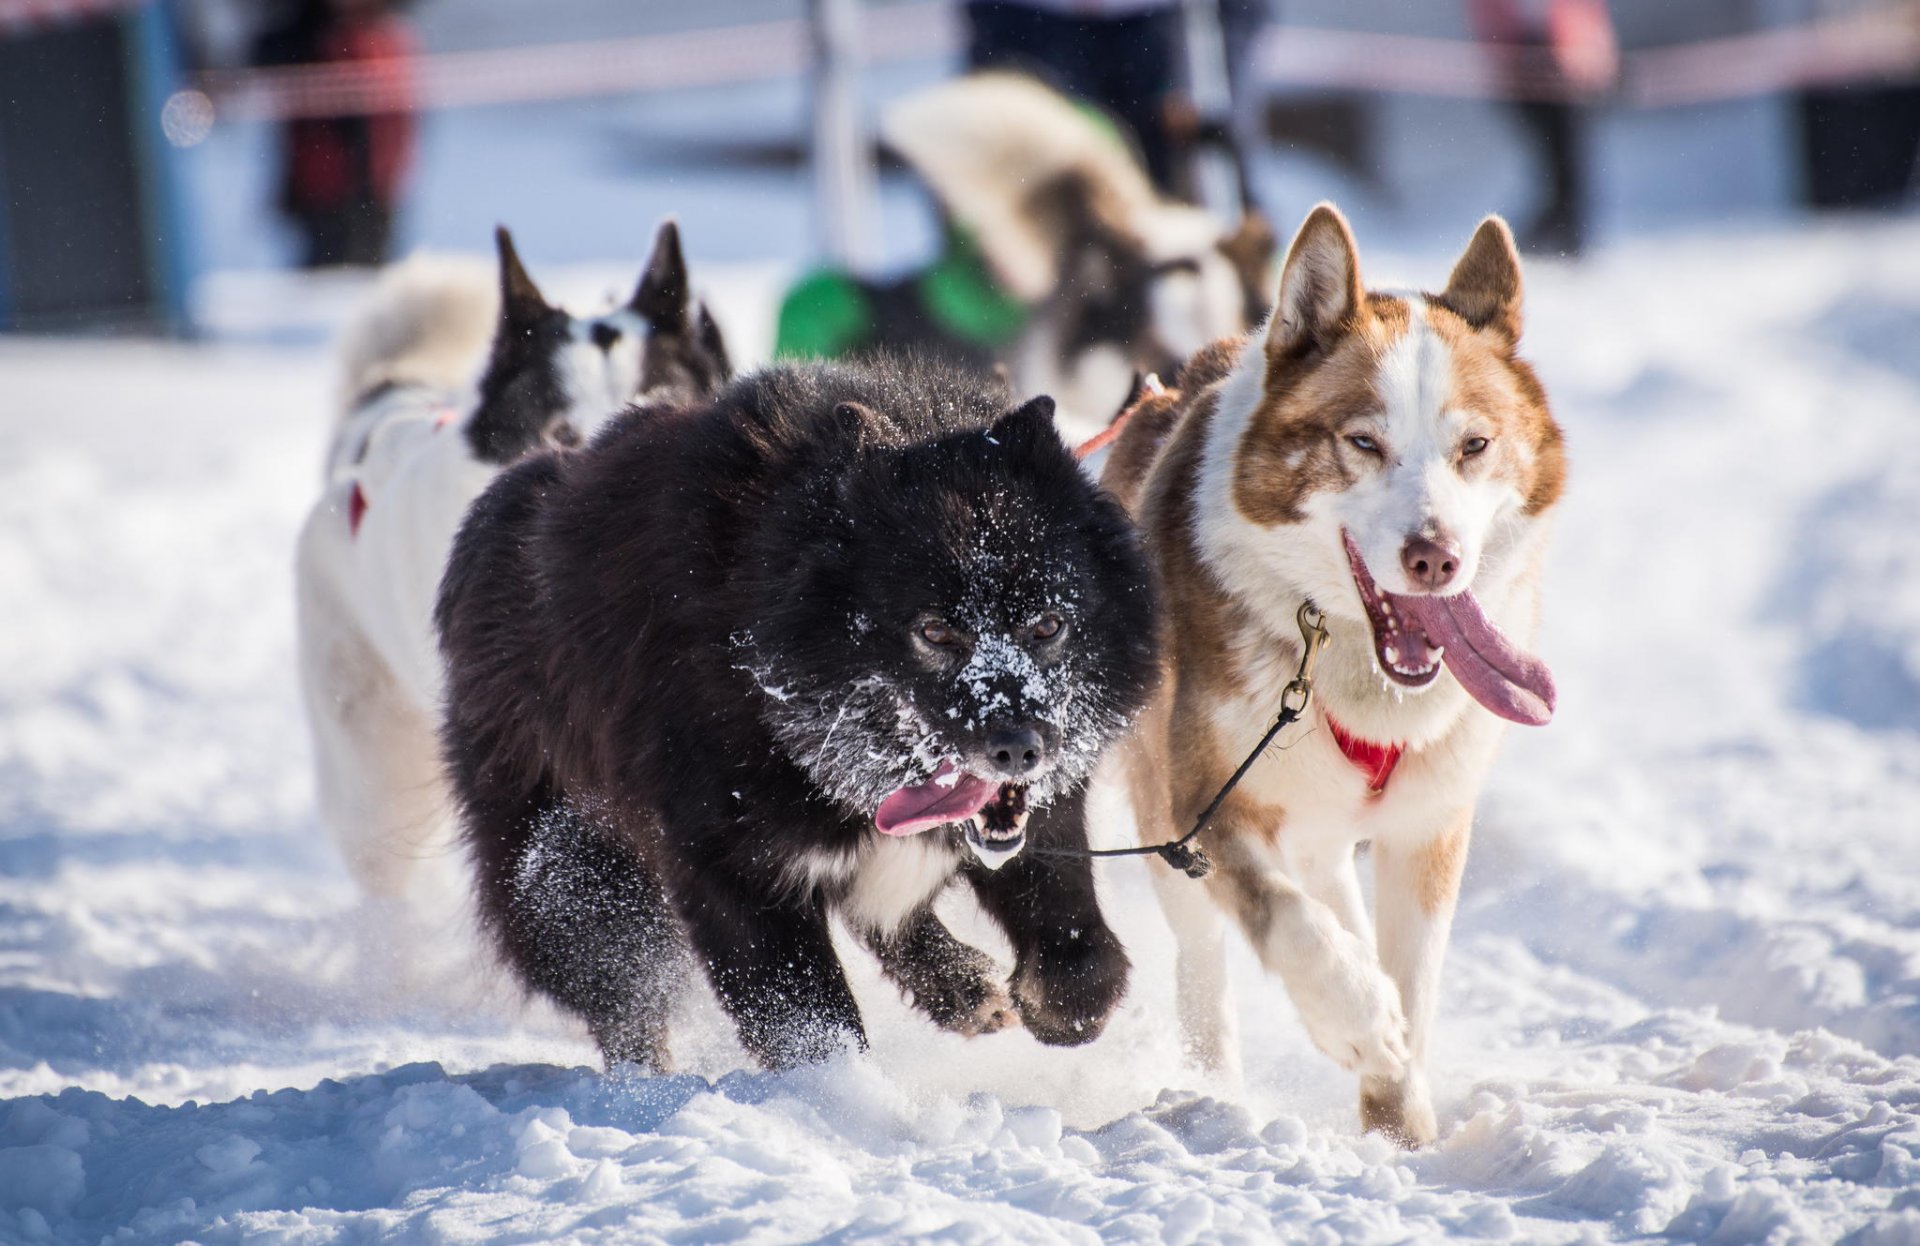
<point>1216,177</point>
<point>843,179</point>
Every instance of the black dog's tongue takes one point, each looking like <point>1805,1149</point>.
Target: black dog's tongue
<point>1495,672</point>
<point>951,795</point>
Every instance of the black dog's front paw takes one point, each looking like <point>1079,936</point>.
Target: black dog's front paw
<point>1065,998</point>
<point>982,1007</point>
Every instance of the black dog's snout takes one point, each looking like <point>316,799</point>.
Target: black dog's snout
<point>605,335</point>
<point>1015,751</point>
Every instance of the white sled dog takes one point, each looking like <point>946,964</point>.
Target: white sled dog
<point>1389,459</point>
<point>417,441</point>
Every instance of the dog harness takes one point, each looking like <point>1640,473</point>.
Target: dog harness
<point>402,403</point>
<point>1376,761</point>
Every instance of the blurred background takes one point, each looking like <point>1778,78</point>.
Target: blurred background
<point>161,160</point>
<point>1687,896</point>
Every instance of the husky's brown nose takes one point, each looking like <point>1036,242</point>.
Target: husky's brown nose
<point>1430,564</point>
<point>1015,751</point>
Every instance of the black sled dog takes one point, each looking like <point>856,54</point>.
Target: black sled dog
<point>738,667</point>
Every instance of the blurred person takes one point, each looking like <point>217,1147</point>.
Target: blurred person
<point>1121,55</point>
<point>1583,61</point>
<point>342,177</point>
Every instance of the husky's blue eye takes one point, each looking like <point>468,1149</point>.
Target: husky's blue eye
<point>1472,446</point>
<point>1362,442</point>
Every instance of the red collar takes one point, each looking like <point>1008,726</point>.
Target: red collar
<point>356,509</point>
<point>1376,761</point>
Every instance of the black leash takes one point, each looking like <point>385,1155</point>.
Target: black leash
<point>1293,702</point>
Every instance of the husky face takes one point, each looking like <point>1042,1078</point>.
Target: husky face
<point>968,628</point>
<point>553,378</point>
<point>1387,457</point>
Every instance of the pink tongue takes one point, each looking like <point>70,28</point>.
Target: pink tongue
<point>1515,685</point>
<point>949,796</point>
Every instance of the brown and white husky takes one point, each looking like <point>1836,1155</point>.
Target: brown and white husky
<point>1388,458</point>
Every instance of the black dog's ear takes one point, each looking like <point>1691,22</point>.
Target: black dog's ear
<point>661,296</point>
<point>1025,423</point>
<point>520,299</point>
<point>708,331</point>
<point>862,426</point>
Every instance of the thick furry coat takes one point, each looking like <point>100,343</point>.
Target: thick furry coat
<point>697,667</point>
<point>1390,459</point>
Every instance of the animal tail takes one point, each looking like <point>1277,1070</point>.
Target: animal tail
<point>429,321</point>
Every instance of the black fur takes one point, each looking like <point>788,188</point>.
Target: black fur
<point>686,663</point>
<point>523,398</point>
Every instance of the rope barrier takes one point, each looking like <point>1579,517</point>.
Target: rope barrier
<point>1878,45</point>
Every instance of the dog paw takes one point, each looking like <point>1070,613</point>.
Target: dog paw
<point>1352,1011</point>
<point>1402,1111</point>
<point>1065,1002</point>
<point>993,1012</point>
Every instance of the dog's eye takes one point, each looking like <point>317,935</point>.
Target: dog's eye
<point>1047,626</point>
<point>936,632</point>
<point>1364,443</point>
<point>1472,446</point>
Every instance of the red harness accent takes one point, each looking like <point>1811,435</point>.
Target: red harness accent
<point>1376,761</point>
<point>356,509</point>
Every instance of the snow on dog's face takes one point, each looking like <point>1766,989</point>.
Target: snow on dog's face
<point>554,378</point>
<point>969,629</point>
<point>1389,455</point>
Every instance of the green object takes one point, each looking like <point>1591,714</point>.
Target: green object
<point>962,296</point>
<point>824,316</point>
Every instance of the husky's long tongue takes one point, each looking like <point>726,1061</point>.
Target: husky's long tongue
<point>1413,633</point>
<point>949,796</point>
<point>1495,672</point>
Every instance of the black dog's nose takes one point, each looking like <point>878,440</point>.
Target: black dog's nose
<point>1015,751</point>
<point>604,335</point>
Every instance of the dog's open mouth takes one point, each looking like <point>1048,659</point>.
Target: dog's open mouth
<point>1413,634</point>
<point>999,830</point>
<point>995,813</point>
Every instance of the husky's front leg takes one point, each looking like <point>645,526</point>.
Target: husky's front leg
<point>1416,883</point>
<point>1351,1010</point>
<point>1202,993</point>
<point>1069,969</point>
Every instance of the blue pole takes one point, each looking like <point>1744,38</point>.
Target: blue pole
<point>153,74</point>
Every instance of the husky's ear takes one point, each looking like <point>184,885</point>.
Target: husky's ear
<point>520,299</point>
<point>1320,290</point>
<point>1484,288</point>
<point>661,296</point>
<point>1025,423</point>
<point>708,331</point>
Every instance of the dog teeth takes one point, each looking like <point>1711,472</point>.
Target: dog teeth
<point>1393,655</point>
<point>996,851</point>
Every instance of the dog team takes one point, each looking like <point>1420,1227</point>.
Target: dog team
<point>689,665</point>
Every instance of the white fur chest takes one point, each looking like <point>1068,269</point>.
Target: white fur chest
<point>877,885</point>
<point>1323,797</point>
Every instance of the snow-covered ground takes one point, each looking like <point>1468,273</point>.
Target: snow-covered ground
<point>1684,997</point>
